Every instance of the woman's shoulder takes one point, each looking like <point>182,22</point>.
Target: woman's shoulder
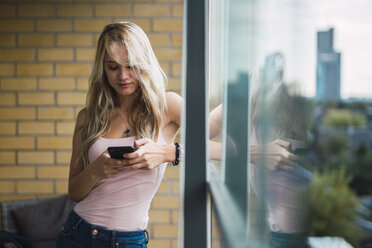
<point>171,96</point>
<point>81,117</point>
<point>174,104</point>
<point>173,99</point>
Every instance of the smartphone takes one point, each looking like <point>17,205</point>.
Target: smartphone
<point>117,152</point>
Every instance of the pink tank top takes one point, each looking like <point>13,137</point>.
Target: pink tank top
<point>121,203</point>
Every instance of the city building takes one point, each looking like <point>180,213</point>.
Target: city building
<point>328,69</point>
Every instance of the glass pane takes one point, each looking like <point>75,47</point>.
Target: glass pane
<point>280,120</point>
<point>311,91</point>
<point>217,237</point>
<point>297,118</point>
<point>229,45</point>
<point>217,75</point>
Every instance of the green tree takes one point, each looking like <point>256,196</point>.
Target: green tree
<point>336,145</point>
<point>344,118</point>
<point>333,210</point>
<point>361,169</point>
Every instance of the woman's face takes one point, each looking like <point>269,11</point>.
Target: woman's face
<point>122,78</point>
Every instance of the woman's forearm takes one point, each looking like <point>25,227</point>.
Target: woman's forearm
<point>80,185</point>
<point>215,150</point>
<point>170,152</point>
<point>255,152</point>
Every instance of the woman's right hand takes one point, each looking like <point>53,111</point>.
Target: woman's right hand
<point>105,166</point>
<point>275,155</point>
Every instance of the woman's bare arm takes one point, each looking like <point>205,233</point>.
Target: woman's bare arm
<point>82,179</point>
<point>149,154</point>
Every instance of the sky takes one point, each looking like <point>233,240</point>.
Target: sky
<point>290,27</point>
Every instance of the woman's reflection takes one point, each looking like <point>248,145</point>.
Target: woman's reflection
<point>281,116</point>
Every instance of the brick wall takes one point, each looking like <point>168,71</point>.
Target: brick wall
<point>46,54</point>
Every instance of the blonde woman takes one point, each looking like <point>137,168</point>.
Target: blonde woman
<point>277,114</point>
<point>126,106</point>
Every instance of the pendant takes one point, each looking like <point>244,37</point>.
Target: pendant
<point>126,132</point>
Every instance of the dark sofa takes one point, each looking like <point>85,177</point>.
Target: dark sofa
<point>38,220</point>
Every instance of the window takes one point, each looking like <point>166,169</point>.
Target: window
<point>265,78</point>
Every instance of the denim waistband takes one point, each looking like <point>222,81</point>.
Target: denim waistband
<point>98,232</point>
<point>288,240</point>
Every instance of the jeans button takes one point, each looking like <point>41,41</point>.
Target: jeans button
<point>95,232</point>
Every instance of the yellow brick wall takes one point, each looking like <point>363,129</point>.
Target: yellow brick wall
<point>46,53</point>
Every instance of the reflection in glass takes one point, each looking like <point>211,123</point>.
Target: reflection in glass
<point>280,117</point>
<point>217,238</point>
<point>295,153</point>
<point>216,77</point>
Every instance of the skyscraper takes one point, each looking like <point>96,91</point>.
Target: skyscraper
<point>328,69</point>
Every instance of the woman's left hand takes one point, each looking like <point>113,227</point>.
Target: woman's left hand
<point>148,155</point>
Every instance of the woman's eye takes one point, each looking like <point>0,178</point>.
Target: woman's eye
<point>130,67</point>
<point>113,68</point>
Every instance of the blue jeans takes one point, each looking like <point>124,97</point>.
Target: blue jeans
<point>76,232</point>
<point>287,240</point>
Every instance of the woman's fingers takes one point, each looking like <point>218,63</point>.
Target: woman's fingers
<point>130,161</point>
<point>141,142</point>
<point>283,143</point>
<point>143,159</point>
<point>135,154</point>
<point>147,156</point>
<point>137,166</point>
<point>143,163</point>
<point>277,155</point>
<point>107,167</point>
<point>146,161</point>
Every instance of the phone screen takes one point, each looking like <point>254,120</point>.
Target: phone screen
<point>117,152</point>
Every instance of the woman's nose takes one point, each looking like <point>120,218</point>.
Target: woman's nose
<point>124,72</point>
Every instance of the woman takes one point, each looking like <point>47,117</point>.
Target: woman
<point>126,105</point>
<point>284,189</point>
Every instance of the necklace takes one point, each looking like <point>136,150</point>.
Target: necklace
<point>127,130</point>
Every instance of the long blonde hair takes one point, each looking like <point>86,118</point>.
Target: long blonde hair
<point>278,112</point>
<point>146,114</point>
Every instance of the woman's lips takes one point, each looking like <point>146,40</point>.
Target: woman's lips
<point>124,85</point>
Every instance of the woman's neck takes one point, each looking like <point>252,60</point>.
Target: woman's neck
<point>126,102</point>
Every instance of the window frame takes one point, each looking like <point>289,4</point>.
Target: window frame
<point>203,185</point>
